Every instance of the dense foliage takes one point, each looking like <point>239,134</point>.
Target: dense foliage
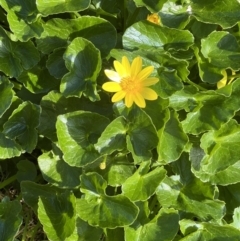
<point>75,166</point>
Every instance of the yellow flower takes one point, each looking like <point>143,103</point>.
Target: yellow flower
<point>154,18</point>
<point>131,82</point>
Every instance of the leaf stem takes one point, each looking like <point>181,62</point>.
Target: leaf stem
<point>8,181</point>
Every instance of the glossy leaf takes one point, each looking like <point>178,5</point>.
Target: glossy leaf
<point>21,125</point>
<point>141,129</point>
<point>158,228</point>
<point>6,94</point>
<point>213,166</point>
<point>114,137</point>
<point>10,219</point>
<point>144,180</point>
<point>25,55</point>
<point>97,30</point>
<point>31,192</point>
<point>171,193</point>
<point>100,209</point>
<point>57,215</point>
<point>150,36</point>
<point>52,7</point>
<point>8,148</point>
<point>172,140</point>
<point>26,171</point>
<point>37,79</point>
<point>216,12</point>
<point>58,172</point>
<point>222,50</point>
<point>77,133</point>
<point>153,5</point>
<point>83,61</point>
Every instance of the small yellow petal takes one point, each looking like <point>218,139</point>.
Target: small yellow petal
<point>149,94</point>
<point>144,73</point>
<point>139,100</point>
<point>136,66</point>
<point>119,68</point>
<point>126,65</point>
<point>128,100</point>
<point>118,96</point>
<point>111,86</point>
<point>112,75</point>
<point>150,81</point>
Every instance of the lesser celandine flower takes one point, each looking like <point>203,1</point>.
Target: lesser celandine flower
<point>154,18</point>
<point>131,82</point>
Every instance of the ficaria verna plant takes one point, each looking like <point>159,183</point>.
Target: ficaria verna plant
<point>119,120</point>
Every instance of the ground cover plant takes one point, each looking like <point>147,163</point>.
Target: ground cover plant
<point>119,120</point>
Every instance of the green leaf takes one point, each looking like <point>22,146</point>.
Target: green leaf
<point>57,215</point>
<point>99,209</point>
<point>143,180</point>
<point>114,169</point>
<point>54,104</point>
<point>37,79</point>
<point>208,231</point>
<point>169,83</point>
<point>55,63</point>
<point>172,140</point>
<point>32,191</point>
<point>236,218</point>
<point>10,220</point>
<point>97,30</point>
<point>77,133</point>
<point>8,148</point>
<point>52,7</point>
<point>229,194</point>
<point>152,5</point>
<point>224,13</point>
<point>222,50</point>
<point>26,171</point>
<point>163,227</point>
<point>211,109</point>
<point>141,129</point>
<point>6,94</point>
<point>171,193</point>
<point>219,146</point>
<point>15,102</point>
<point>114,137</point>
<point>23,9</point>
<point>58,172</point>
<point>83,61</point>
<point>149,36</point>
<point>16,56</point>
<point>174,16</point>
<point>22,124</point>
<point>85,232</point>
<point>24,30</point>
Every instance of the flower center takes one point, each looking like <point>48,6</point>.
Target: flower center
<point>129,85</point>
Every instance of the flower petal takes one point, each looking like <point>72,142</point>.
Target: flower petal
<point>136,66</point>
<point>144,73</point>
<point>150,81</point>
<point>149,94</point>
<point>111,86</point>
<point>118,96</point>
<point>126,65</point>
<point>128,100</point>
<point>139,100</point>
<point>112,75</point>
<point>119,68</point>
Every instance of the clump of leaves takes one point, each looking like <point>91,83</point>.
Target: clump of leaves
<point>160,163</point>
